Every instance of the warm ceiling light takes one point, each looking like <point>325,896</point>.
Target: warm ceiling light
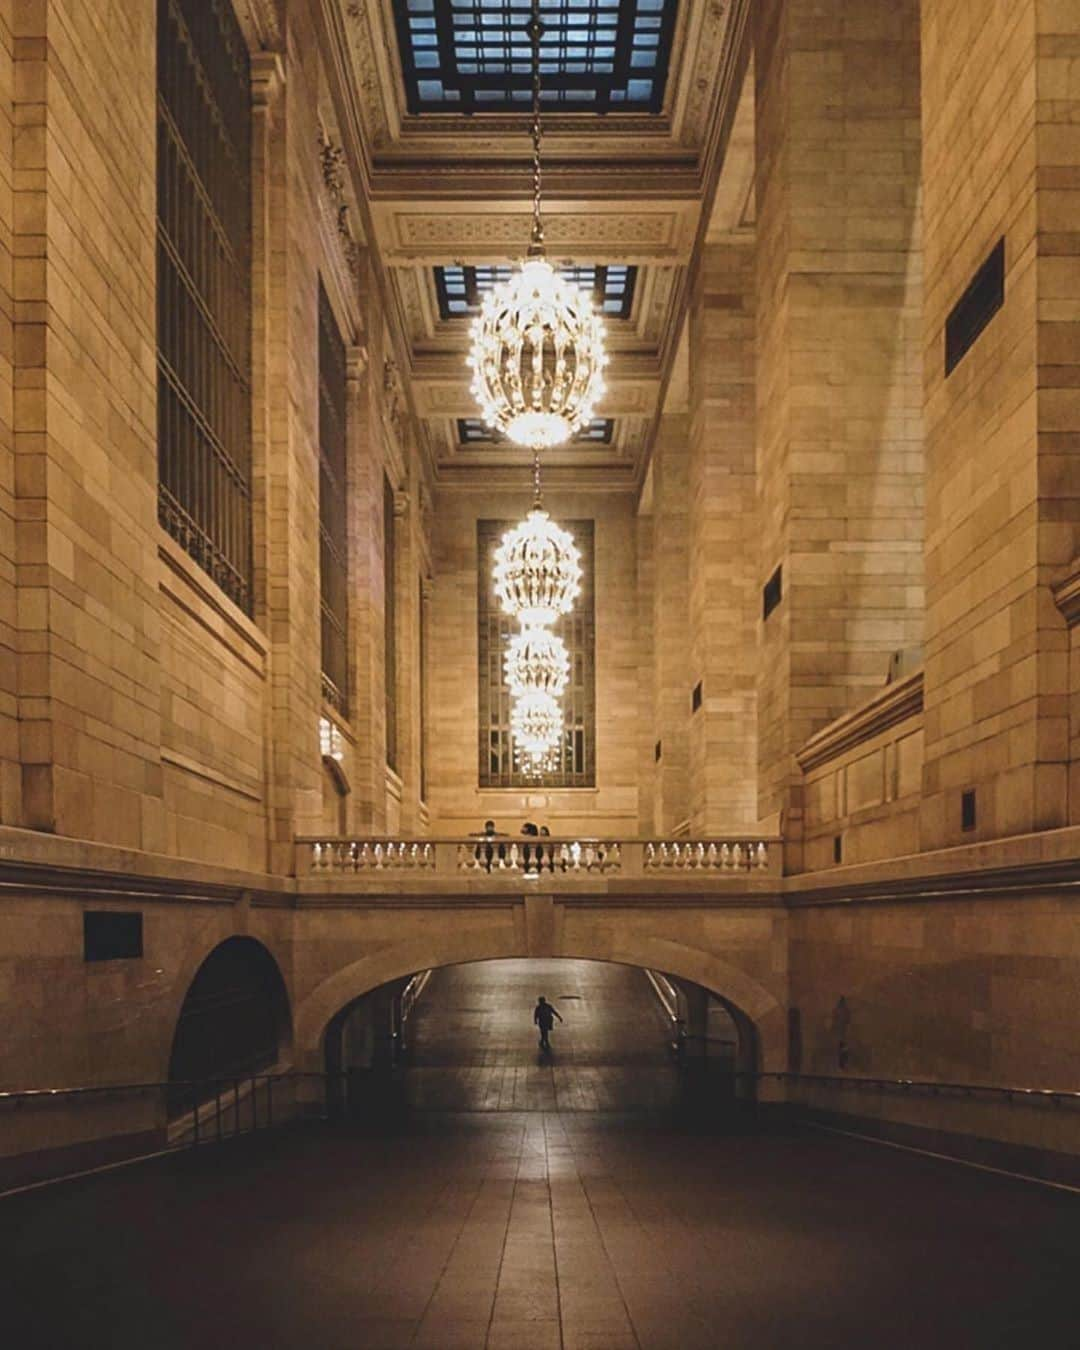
<point>537,345</point>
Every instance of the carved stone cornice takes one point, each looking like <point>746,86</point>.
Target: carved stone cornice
<point>894,704</point>
<point>335,180</point>
<point>356,362</point>
<point>267,80</point>
<point>261,23</point>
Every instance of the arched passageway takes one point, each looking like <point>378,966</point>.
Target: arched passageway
<point>235,1018</point>
<point>470,1043</point>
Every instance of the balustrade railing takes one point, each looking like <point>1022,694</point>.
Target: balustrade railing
<point>536,857</point>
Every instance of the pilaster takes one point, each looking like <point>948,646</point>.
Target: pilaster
<point>723,535</point>
<point>838,391</point>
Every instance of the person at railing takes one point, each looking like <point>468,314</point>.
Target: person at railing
<point>531,853</point>
<point>487,851</point>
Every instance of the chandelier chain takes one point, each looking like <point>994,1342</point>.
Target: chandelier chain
<point>536,29</point>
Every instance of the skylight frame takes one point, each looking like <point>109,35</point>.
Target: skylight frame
<point>459,288</point>
<point>597,56</point>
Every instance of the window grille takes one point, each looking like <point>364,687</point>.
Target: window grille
<point>475,55</point>
<point>390,621</point>
<point>203,288</point>
<point>577,755</point>
<point>473,431</point>
<point>333,545</point>
<point>461,289</point>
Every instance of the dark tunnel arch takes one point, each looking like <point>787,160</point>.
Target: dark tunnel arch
<point>235,1018</point>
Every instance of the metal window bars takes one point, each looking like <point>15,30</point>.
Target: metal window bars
<point>203,288</point>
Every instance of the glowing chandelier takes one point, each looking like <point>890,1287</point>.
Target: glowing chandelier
<point>537,345</point>
<point>537,572</point>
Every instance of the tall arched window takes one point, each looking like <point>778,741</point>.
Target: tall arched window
<point>577,761</point>
<point>204,289</point>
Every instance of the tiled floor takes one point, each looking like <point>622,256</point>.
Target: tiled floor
<point>536,1230</point>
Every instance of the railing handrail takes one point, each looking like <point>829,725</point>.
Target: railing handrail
<point>839,1080</point>
<point>921,1084</point>
<point>226,1081</point>
<point>399,836</point>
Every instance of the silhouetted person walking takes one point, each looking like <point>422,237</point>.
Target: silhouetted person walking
<point>544,1015</point>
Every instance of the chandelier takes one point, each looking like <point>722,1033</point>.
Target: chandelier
<point>537,568</point>
<point>537,344</point>
<point>536,722</point>
<point>536,573</point>
<point>537,660</point>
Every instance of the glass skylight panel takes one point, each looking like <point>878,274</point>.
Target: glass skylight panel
<point>472,431</point>
<point>475,55</point>
<point>460,289</point>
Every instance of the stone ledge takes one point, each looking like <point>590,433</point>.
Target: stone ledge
<point>894,704</point>
<point>1067,594</point>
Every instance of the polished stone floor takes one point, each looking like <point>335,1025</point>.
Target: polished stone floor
<point>496,1226</point>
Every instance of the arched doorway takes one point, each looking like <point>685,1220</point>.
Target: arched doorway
<point>235,1019</point>
<point>473,1045</point>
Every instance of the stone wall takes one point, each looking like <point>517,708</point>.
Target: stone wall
<point>10,773</point>
<point>1002,516</point>
<point>838,383</point>
<point>153,713</point>
<point>723,535</point>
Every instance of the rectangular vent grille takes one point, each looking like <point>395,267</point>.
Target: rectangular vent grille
<point>975,308</point>
<point>112,935</point>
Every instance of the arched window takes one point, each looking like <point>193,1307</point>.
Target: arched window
<point>577,754</point>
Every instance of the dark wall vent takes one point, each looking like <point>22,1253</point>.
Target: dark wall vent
<point>838,848</point>
<point>111,935</point>
<point>771,593</point>
<point>658,751</point>
<point>695,697</point>
<point>976,307</point>
<point>967,810</point>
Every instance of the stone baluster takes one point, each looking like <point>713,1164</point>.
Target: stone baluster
<point>762,857</point>
<point>711,858</point>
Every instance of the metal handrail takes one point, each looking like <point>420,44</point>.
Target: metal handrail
<point>175,1085</point>
<point>932,1085</point>
<point>831,1080</point>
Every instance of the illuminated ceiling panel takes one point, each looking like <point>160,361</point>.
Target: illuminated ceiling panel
<point>475,55</point>
<point>460,289</point>
<point>472,431</point>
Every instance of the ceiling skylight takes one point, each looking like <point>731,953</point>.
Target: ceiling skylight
<point>474,55</point>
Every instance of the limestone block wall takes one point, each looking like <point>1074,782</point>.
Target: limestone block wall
<point>960,990</point>
<point>455,801</point>
<point>10,774</point>
<point>1000,150</point>
<point>86,478</point>
<point>863,779</point>
<point>670,620</point>
<point>838,382</point>
<point>138,706</point>
<point>723,564</point>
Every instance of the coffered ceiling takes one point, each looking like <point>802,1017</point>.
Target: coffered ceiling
<point>628,188</point>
